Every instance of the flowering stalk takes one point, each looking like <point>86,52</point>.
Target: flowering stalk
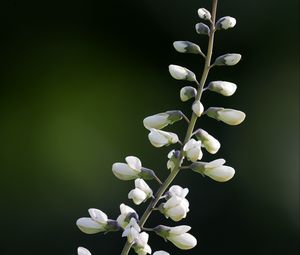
<point>189,131</point>
<point>176,206</point>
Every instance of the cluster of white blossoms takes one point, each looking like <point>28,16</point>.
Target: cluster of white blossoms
<point>170,200</point>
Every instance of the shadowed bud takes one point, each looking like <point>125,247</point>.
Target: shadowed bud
<point>228,116</point>
<point>225,23</point>
<point>202,29</point>
<point>229,59</point>
<point>198,108</point>
<point>181,73</point>
<point>186,47</point>
<point>224,88</point>
<point>204,14</point>
<point>187,93</point>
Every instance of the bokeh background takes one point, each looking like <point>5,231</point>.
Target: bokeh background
<point>77,79</point>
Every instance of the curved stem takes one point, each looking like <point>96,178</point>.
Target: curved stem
<point>189,132</point>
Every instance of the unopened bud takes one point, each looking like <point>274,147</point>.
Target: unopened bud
<point>211,144</point>
<point>225,23</point>
<point>187,93</point>
<point>202,29</point>
<point>228,116</point>
<point>224,88</point>
<point>198,108</point>
<point>229,59</point>
<point>161,120</point>
<point>181,73</point>
<point>204,14</point>
<point>186,47</point>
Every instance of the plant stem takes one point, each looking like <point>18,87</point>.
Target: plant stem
<point>189,132</point>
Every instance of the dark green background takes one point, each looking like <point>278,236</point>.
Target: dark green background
<point>77,79</point>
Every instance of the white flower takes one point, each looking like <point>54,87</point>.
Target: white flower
<point>225,88</point>
<point>228,116</point>
<point>141,192</point>
<point>204,14</point>
<point>126,211</point>
<point>211,144</point>
<point>226,22</point>
<point>159,138</point>
<point>215,170</point>
<point>161,253</point>
<point>186,47</point>
<point>180,238</point>
<point>141,246</point>
<point>128,171</point>
<point>229,59</point>
<point>192,150</point>
<point>198,108</point>
<point>83,251</point>
<point>181,73</point>
<point>94,224</point>
<point>132,230</point>
<point>187,93</point>
<point>177,206</point>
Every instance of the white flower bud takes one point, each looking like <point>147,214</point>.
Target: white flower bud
<point>202,29</point>
<point>198,108</point>
<point>178,236</point>
<point>132,230</point>
<point>181,73</point>
<point>83,251</point>
<point>228,116</point>
<point>204,14</point>
<point>187,93</point>
<point>140,245</point>
<point>141,192</point>
<point>161,120</point>
<point>224,88</point>
<point>159,138</point>
<point>129,171</point>
<point>192,150</point>
<point>176,208</point>
<point>186,47</point>
<point>95,224</point>
<point>211,144</point>
<point>126,214</point>
<point>229,59</point>
<point>225,23</point>
<point>214,169</point>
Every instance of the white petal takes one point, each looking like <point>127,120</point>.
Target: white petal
<point>221,173</point>
<point>138,196</point>
<point>161,253</point>
<point>89,226</point>
<point>83,251</point>
<point>98,215</point>
<point>178,72</point>
<point>157,121</point>
<point>184,241</point>
<point>124,172</point>
<point>231,117</point>
<point>215,163</point>
<point>134,163</point>
<point>179,230</point>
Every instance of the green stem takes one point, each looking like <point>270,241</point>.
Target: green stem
<point>189,132</point>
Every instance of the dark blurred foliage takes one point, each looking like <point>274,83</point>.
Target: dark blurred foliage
<point>77,79</point>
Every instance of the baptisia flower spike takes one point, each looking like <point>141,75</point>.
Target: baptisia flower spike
<point>159,138</point>
<point>83,251</point>
<point>141,192</point>
<point>192,150</point>
<point>177,206</point>
<point>214,169</point>
<point>98,222</point>
<point>177,235</point>
<point>228,116</point>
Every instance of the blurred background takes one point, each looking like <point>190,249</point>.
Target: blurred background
<point>78,77</point>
